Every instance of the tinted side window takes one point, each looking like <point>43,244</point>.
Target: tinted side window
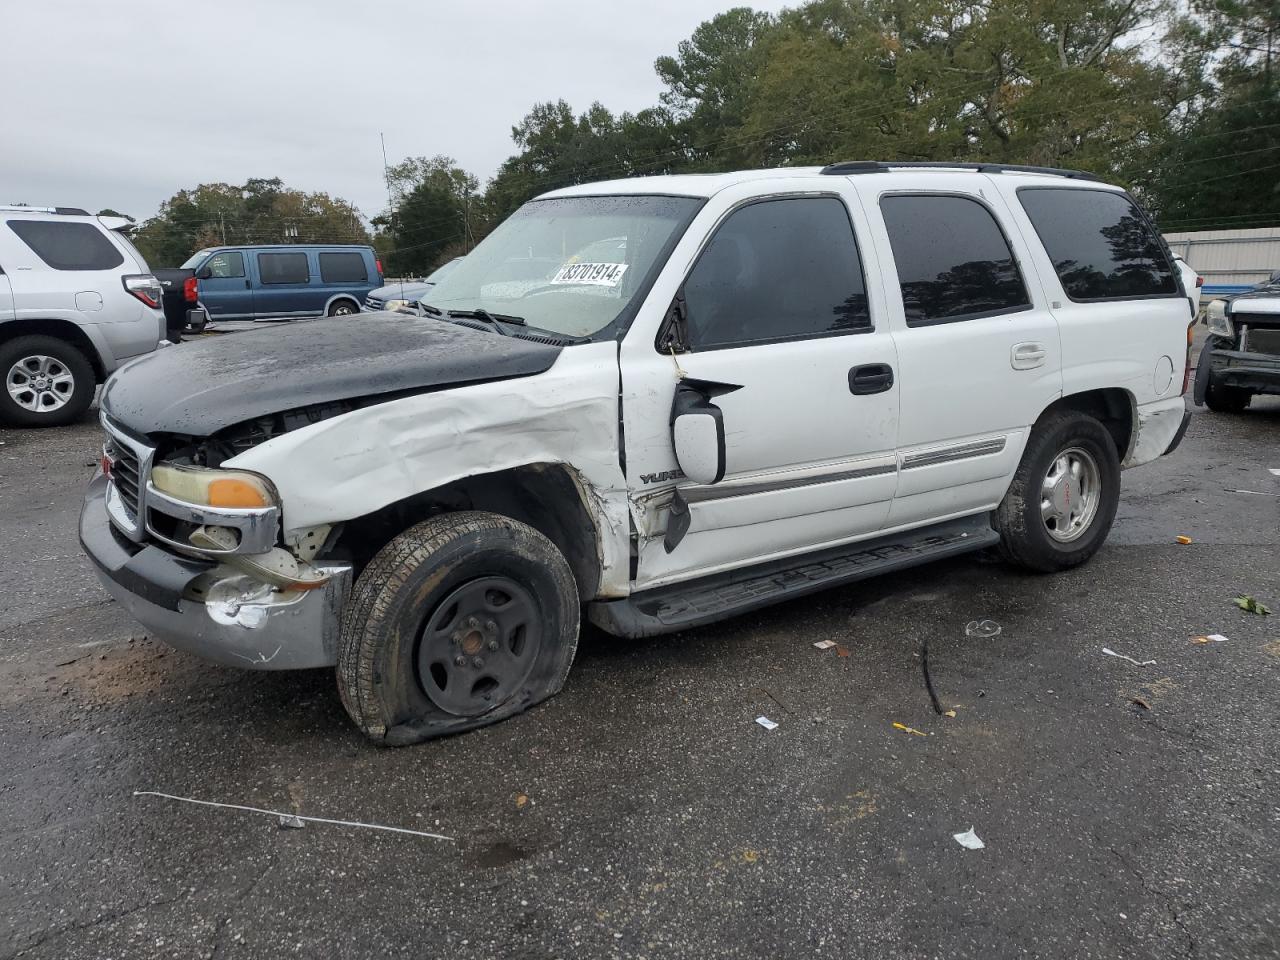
<point>778,270</point>
<point>343,268</point>
<point>283,267</point>
<point>68,246</point>
<point>953,261</point>
<point>1100,244</point>
<point>224,265</point>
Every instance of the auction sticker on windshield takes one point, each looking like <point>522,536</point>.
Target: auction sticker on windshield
<point>597,274</point>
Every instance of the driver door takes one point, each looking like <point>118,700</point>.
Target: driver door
<point>225,289</point>
<point>781,340</point>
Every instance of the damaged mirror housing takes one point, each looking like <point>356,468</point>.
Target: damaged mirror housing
<point>697,429</point>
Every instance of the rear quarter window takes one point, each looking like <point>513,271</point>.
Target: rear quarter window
<point>1101,244</point>
<point>343,268</point>
<point>68,246</point>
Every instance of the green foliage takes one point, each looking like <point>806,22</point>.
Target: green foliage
<point>437,204</point>
<point>260,211</point>
<point>1177,102</point>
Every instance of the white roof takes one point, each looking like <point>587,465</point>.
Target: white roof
<point>709,184</point>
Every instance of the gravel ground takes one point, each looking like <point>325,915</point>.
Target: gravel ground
<point>1127,811</point>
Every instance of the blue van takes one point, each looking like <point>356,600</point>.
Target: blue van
<point>284,281</point>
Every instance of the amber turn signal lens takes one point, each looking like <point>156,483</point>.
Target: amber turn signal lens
<point>233,492</point>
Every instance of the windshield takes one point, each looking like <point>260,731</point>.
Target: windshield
<point>572,266</point>
<point>438,274</point>
<point>194,259</point>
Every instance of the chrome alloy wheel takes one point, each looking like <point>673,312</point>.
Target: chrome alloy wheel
<point>1070,494</point>
<point>40,384</point>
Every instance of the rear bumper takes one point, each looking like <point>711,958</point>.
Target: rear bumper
<point>242,625</point>
<point>1159,429</point>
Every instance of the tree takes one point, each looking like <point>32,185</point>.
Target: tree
<point>437,210</point>
<point>259,211</point>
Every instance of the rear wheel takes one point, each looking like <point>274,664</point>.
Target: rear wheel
<point>1221,398</point>
<point>343,308</point>
<point>47,382</point>
<point>1064,495</point>
<point>462,620</point>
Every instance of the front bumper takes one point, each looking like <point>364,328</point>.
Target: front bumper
<point>1255,372</point>
<point>241,625</point>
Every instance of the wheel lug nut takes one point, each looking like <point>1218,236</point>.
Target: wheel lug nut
<point>491,627</point>
<point>459,661</point>
<point>477,662</point>
<point>472,622</point>
<point>493,646</point>
<point>457,638</point>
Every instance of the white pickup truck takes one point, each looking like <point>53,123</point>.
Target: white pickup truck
<point>663,401</point>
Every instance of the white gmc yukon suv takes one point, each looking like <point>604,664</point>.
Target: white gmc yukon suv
<point>661,401</point>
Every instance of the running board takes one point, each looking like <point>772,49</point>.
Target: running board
<point>684,605</point>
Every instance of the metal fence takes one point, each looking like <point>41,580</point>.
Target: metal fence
<point>1230,261</point>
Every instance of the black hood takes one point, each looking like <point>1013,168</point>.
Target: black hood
<point>198,388</point>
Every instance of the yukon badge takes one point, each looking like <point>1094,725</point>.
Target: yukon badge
<point>648,478</point>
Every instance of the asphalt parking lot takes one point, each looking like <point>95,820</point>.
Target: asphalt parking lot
<point>1127,811</point>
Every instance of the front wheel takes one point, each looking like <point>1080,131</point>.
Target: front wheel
<point>461,621</point>
<point>343,308</point>
<point>1221,398</point>
<point>1064,495</point>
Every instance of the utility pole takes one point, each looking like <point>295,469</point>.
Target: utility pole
<point>386,172</point>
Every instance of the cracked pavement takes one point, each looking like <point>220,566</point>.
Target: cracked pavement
<point>642,813</point>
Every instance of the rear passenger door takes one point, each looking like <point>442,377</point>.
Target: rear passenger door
<point>283,289</point>
<point>978,348</point>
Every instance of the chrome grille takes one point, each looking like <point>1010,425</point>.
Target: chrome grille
<point>130,463</point>
<point>372,303</point>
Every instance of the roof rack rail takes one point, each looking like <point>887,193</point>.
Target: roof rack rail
<point>851,167</point>
<point>24,208</point>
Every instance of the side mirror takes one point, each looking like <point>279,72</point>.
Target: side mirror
<point>697,429</point>
<point>204,273</point>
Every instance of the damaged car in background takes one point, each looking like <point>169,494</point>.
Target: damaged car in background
<point>1241,357</point>
<point>659,401</point>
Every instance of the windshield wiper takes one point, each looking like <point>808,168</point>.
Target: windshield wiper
<point>430,310</point>
<point>496,320</point>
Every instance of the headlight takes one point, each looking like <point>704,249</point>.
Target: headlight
<point>232,489</point>
<point>395,304</point>
<point>1219,322</point>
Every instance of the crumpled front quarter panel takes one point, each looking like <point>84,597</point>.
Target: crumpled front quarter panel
<point>354,464</point>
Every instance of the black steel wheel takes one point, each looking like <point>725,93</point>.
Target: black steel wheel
<point>344,308</point>
<point>461,621</point>
<point>479,645</point>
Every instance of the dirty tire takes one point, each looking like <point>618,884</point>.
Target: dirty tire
<point>1024,539</point>
<point>343,308</point>
<point>69,360</point>
<point>400,598</point>
<point>1221,398</point>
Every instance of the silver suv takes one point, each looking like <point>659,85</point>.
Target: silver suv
<point>76,300</point>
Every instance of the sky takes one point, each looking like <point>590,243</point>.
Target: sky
<point>120,104</point>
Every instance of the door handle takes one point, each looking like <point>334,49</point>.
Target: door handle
<point>248,285</point>
<point>1027,356</point>
<point>870,378</point>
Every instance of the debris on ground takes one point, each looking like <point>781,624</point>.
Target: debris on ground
<point>1139,702</point>
<point>1250,605</point>
<point>1137,663</point>
<point>982,629</point>
<point>905,729</point>
<point>1182,539</point>
<point>1274,471</point>
<point>766,722</point>
<point>1210,638</point>
<point>1257,493</point>
<point>928,679</point>
<point>521,800</point>
<point>825,644</point>
<point>969,840</point>
<point>951,714</point>
<point>281,817</point>
<point>841,651</point>
<point>292,821</point>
